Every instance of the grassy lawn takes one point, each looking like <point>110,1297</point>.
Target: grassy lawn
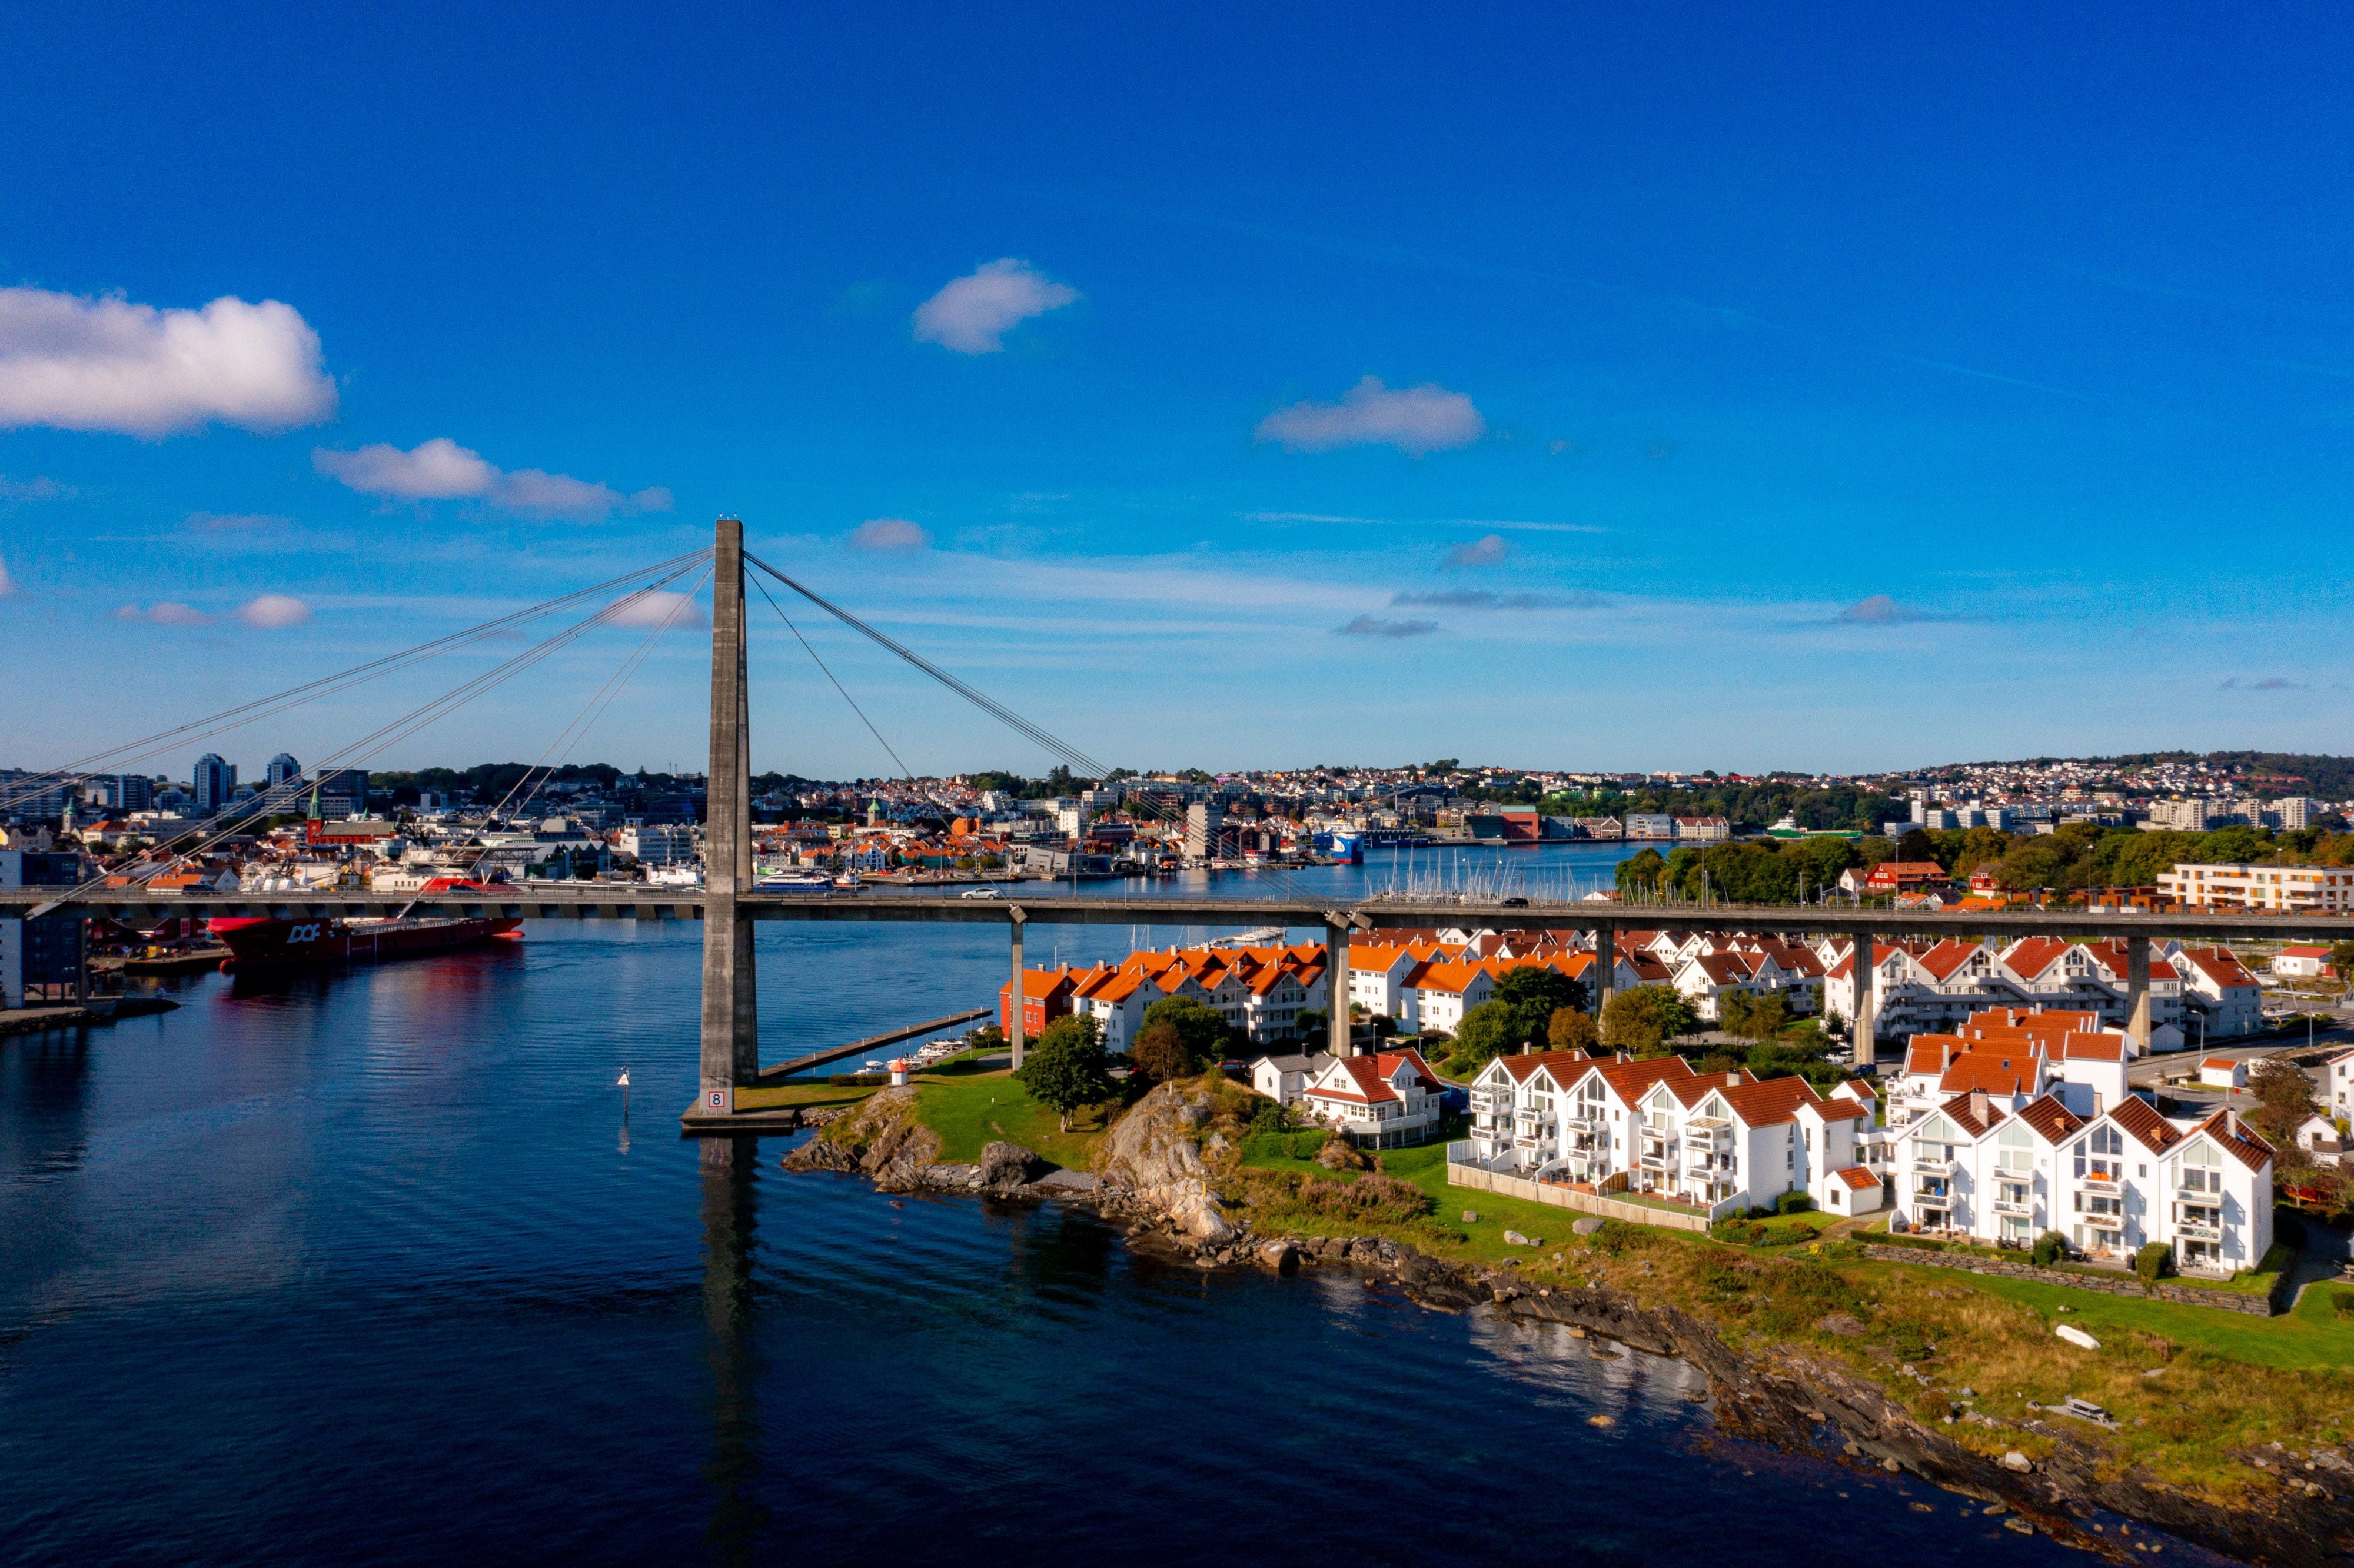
<point>2311,1336</point>
<point>817,1092</point>
<point>970,1108</point>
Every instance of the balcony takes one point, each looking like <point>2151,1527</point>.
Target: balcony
<point>2097,1182</point>
<point>2103,1221</point>
<point>1708,1129</point>
<point>1658,1163</point>
<point>2008,1205</point>
<point>1586,1118</point>
<point>2197,1198</point>
<point>1706,1160</point>
<point>1492,1102</point>
<point>1932,1167</point>
<point>2199,1230</point>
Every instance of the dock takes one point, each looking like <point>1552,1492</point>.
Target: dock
<point>788,1119</point>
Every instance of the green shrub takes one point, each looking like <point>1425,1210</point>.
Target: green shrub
<point>1841,1251</point>
<point>1918,1244</point>
<point>1739,1233</point>
<point>2152,1261</point>
<point>1369,1200</point>
<point>2341,1302</point>
<point>2050,1248</point>
<point>1793,1204</point>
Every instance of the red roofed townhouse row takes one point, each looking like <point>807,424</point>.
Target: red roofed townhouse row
<point>1920,986</point>
<point>1719,1142</point>
<point>1260,990</point>
<point>2006,1167</point>
<point>2017,1056</point>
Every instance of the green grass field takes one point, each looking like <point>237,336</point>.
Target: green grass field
<point>818,1093</point>
<point>970,1109</point>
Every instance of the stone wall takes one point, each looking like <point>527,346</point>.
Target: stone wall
<point>2121,1284</point>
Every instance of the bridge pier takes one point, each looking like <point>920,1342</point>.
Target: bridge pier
<point>731,1020</point>
<point>2138,993</point>
<point>1605,968</point>
<point>1337,1039</point>
<point>1867,1049</point>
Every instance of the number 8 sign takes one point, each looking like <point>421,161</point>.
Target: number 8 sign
<point>718,1099</point>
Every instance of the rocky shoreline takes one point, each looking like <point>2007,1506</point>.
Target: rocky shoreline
<point>1152,1180</point>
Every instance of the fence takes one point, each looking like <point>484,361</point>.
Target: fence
<point>1463,1171</point>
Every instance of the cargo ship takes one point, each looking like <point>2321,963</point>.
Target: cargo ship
<point>266,942</point>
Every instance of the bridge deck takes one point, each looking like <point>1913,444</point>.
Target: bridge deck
<point>662,903</point>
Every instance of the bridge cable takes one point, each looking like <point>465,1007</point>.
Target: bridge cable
<point>1055,746</point>
<point>243,714</point>
<point>905,771</point>
<point>390,734</point>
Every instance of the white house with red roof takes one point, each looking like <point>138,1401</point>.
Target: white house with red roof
<point>1387,1100</point>
<point>2301,962</point>
<point>2337,1087</point>
<point>2218,990</point>
<point>1727,1143</point>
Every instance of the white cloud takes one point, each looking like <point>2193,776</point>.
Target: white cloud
<point>889,534</point>
<point>1489,550</point>
<point>1415,419</point>
<point>6,586</point>
<point>38,488</point>
<point>654,607</point>
<point>85,364</point>
<point>165,612</point>
<point>442,470</point>
<point>973,313</point>
<point>274,611</point>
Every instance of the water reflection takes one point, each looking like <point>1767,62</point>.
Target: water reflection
<point>730,1179</point>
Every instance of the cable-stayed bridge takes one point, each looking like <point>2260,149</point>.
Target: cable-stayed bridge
<point>729,904</point>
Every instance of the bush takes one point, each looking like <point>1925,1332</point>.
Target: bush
<point>2050,1248</point>
<point>1368,1199</point>
<point>2341,1302</point>
<point>2152,1261</point>
<point>1840,1251</point>
<point>1739,1233</point>
<point>1918,1244</point>
<point>1793,1204</point>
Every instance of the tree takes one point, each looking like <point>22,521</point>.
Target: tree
<point>1754,1017</point>
<point>2341,959</point>
<point>1643,1018</point>
<point>1068,1067</point>
<point>1488,1030</point>
<point>1546,990</point>
<point>1160,1052</point>
<point>2283,1097</point>
<point>1640,871</point>
<point>1201,1026</point>
<point>1572,1029</point>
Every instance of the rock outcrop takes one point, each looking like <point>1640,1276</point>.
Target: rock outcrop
<point>881,1141</point>
<point>1151,1167</point>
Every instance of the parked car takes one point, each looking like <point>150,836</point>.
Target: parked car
<point>978,892</point>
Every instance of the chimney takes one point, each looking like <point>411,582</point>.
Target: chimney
<point>2096,1104</point>
<point>1527,1048</point>
<point>1622,1055</point>
<point>2232,1121</point>
<point>1978,1104</point>
<point>1733,1080</point>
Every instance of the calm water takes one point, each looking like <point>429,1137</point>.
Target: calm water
<point>368,1268</point>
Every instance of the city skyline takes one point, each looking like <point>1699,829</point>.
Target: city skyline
<point>1605,396</point>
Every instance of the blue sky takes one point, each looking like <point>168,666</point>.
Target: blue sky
<point>1848,391</point>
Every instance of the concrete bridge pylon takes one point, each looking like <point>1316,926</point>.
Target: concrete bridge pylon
<point>731,1022</point>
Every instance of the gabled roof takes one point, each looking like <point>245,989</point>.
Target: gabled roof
<point>1770,1101</point>
<point>1947,957</point>
<point>1524,1064</point>
<point>2217,964</point>
<point>2030,955</point>
<point>2140,1121</point>
<point>1629,1080</point>
<point>2050,1121</point>
<point>1962,1111</point>
<point>1367,1079</point>
<point>1858,1178</point>
<point>1995,1075</point>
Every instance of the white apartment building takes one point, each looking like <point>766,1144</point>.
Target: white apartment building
<point>2327,888</point>
<point>1722,1143</point>
<point>1923,987</point>
<point>661,844</point>
<point>2006,1173</point>
<point>2338,1087</point>
<point>1437,994</point>
<point>2218,991</point>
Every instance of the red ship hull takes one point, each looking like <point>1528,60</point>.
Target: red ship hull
<point>261,943</point>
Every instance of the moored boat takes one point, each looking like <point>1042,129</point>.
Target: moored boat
<point>270,942</point>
